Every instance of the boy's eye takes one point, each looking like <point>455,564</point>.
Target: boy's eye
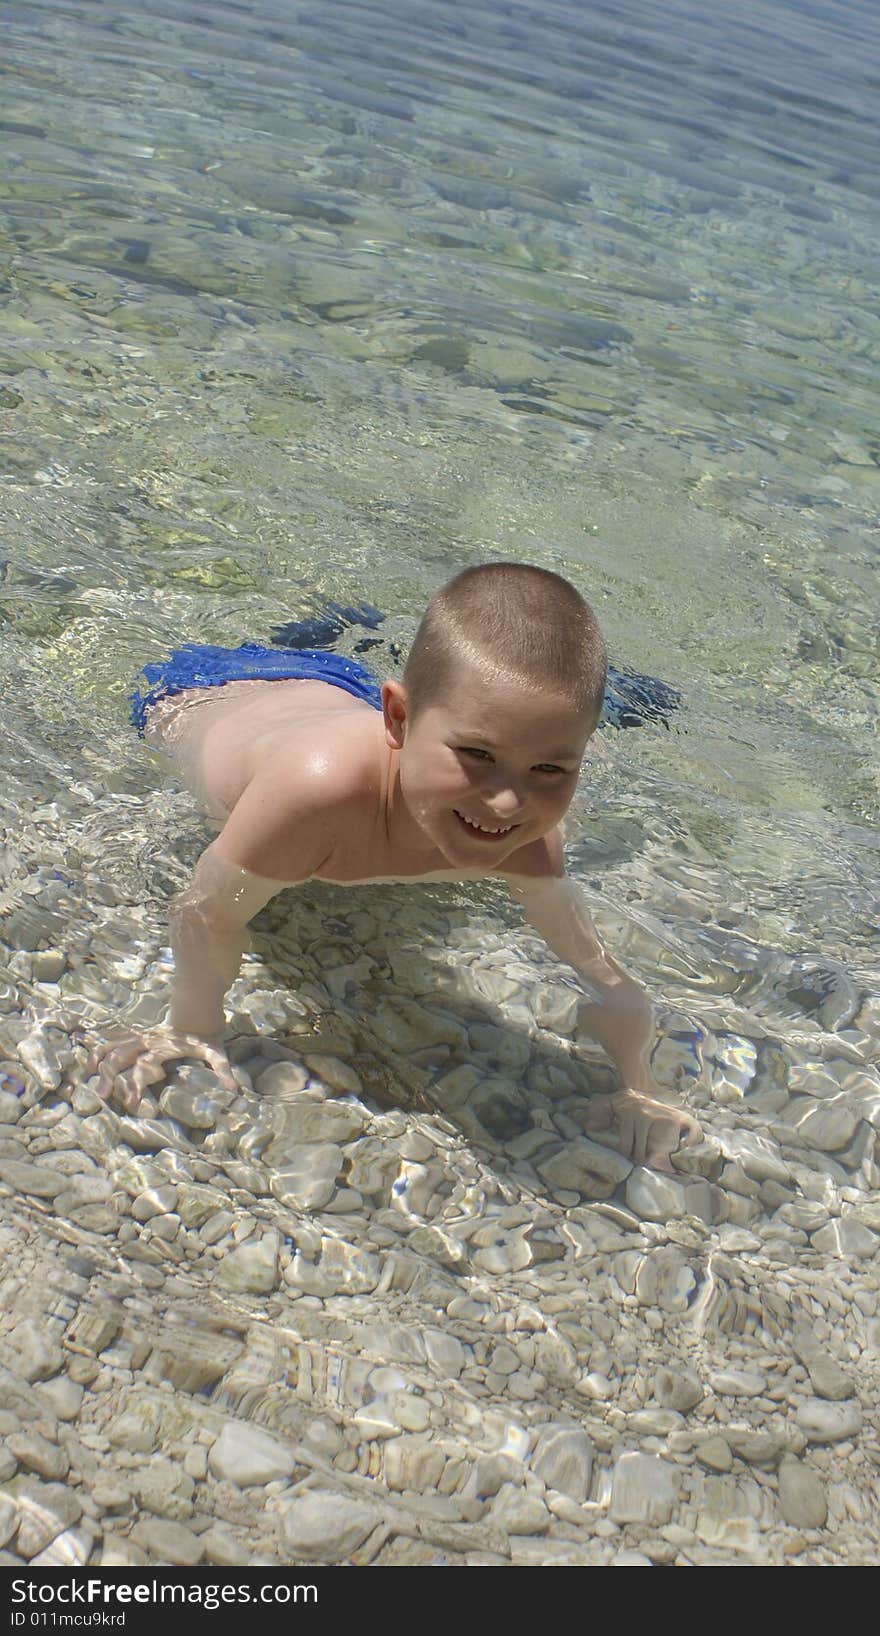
<point>471,750</point>
<point>546,767</point>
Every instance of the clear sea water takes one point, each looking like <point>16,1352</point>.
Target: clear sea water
<point>306,301</point>
<point>336,300</point>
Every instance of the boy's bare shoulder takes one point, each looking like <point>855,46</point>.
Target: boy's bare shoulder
<point>300,799</point>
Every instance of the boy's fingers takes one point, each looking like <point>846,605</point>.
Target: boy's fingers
<point>657,1151</point>
<point>627,1134</point>
<point>149,1070</point>
<point>671,1138</point>
<point>690,1132</point>
<point>643,1141</point>
<point>215,1059</point>
<point>144,1059</point>
<point>104,1087</point>
<point>649,1131</point>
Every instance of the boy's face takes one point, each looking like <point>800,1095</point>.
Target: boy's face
<point>488,768</point>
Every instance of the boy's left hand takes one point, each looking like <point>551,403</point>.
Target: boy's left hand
<point>129,1062</point>
<point>649,1130</point>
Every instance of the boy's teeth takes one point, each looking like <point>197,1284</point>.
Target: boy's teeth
<point>483,827</point>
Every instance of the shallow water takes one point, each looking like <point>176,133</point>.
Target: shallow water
<point>309,302</point>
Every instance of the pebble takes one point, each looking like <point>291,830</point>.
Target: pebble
<point>665,1279</point>
<point>334,1072</point>
<point>757,1448</point>
<point>320,1526</point>
<point>679,1389</point>
<point>253,1268</point>
<point>828,1127</point>
<point>154,1203</point>
<point>249,1456</point>
<point>587,1168</point>
<point>37,1454</point>
<point>38,1181</point>
<point>48,965</point>
<point>36,1355</point>
<point>737,1382</point>
<point>44,1511</point>
<point>412,1463</point>
<point>109,1494</point>
<point>707,1202</point>
<point>724,1519</point>
<point>216,1227</point>
<point>654,1422</point>
<point>118,1551</point>
<point>715,1454</point>
<point>69,1549</point>
<point>281,1079</point>
<point>563,1458</point>
<point>223,1548</point>
<point>758,1156</point>
<point>170,1542</point>
<point>445,1353</point>
<point>801,1495</point>
<point>823,1422</point>
<point>9,1519</point>
<point>308,1179</point>
<point>310,1122</point>
<point>827,1378</point>
<point>654,1196</point>
<point>10,1106</point>
<point>516,1512</point>
<point>643,1489</point>
<point>61,1397</point>
<point>846,1237</point>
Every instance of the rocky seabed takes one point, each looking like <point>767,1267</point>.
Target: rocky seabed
<point>391,1301</point>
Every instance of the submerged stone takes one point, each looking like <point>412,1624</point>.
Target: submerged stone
<point>643,1489</point>
<point>249,1456</point>
<point>586,1167</point>
<point>823,1422</point>
<point>563,1459</point>
<point>320,1526</point>
<point>801,1495</point>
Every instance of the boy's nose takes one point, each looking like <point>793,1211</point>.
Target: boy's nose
<point>506,801</point>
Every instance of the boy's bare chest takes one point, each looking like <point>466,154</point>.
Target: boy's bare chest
<point>370,860</point>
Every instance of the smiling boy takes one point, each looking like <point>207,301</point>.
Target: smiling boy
<point>462,770</point>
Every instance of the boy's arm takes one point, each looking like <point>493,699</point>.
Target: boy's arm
<point>622,1020</point>
<point>270,829</point>
<point>279,832</point>
<point>208,938</point>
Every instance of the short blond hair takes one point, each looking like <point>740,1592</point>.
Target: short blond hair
<point>513,619</point>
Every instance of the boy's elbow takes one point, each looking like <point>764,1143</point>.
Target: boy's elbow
<point>624,995</point>
<point>191,917</point>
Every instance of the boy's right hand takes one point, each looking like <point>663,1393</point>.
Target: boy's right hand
<point>142,1056</point>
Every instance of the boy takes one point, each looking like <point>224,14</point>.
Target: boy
<point>464,769</point>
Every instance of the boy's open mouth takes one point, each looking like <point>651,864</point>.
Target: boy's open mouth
<point>481,831</point>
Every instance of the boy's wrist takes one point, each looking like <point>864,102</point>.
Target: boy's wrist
<point>207,1025</point>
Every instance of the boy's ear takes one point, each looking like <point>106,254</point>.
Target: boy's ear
<point>395,711</point>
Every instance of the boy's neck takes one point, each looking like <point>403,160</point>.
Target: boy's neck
<point>404,835</point>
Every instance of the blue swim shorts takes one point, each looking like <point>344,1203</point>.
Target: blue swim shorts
<point>200,665</point>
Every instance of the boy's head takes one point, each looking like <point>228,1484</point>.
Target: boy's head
<point>502,690</point>
<point>509,620</point>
